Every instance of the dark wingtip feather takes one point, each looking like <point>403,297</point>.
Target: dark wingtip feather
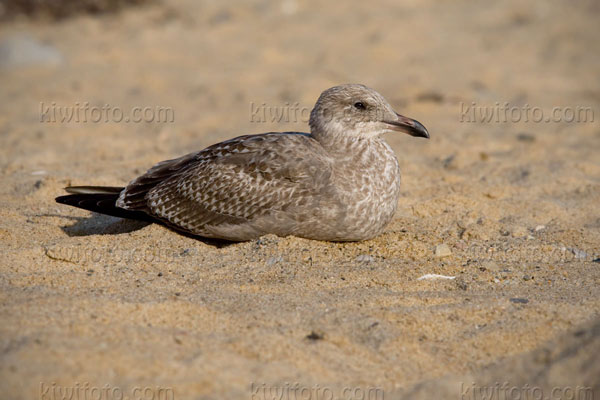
<point>103,203</point>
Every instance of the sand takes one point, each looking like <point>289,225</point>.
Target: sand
<point>508,211</point>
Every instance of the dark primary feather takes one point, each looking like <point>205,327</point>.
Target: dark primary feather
<point>99,199</point>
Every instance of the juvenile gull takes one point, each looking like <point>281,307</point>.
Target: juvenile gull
<point>340,182</point>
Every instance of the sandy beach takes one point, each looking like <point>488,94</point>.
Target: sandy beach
<point>489,272</point>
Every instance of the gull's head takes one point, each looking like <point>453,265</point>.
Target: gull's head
<point>357,111</point>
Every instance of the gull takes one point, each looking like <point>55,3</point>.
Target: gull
<point>340,182</point>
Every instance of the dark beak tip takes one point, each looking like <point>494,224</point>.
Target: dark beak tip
<point>424,134</point>
<point>410,126</point>
<point>420,131</point>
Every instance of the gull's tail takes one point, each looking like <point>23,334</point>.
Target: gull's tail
<point>100,199</point>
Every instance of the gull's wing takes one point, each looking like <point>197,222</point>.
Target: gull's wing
<point>233,182</point>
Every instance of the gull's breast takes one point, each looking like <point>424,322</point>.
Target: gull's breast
<point>369,186</point>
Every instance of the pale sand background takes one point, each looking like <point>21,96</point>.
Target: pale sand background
<point>79,305</point>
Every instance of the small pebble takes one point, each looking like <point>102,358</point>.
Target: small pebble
<point>519,232</point>
<point>540,227</point>
<point>434,276</point>
<point>525,137</point>
<point>527,277</point>
<point>489,266</point>
<point>579,254</point>
<point>442,250</point>
<point>274,260</point>
<point>519,300</point>
<point>366,258</point>
<point>315,335</point>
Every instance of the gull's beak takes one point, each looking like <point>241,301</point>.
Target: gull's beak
<point>409,126</point>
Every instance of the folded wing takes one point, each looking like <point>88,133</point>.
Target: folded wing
<point>234,182</point>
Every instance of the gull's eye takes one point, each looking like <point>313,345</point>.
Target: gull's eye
<point>360,105</point>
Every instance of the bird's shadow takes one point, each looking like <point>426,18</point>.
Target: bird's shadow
<point>99,224</point>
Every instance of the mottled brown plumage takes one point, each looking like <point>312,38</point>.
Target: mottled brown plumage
<point>341,182</point>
